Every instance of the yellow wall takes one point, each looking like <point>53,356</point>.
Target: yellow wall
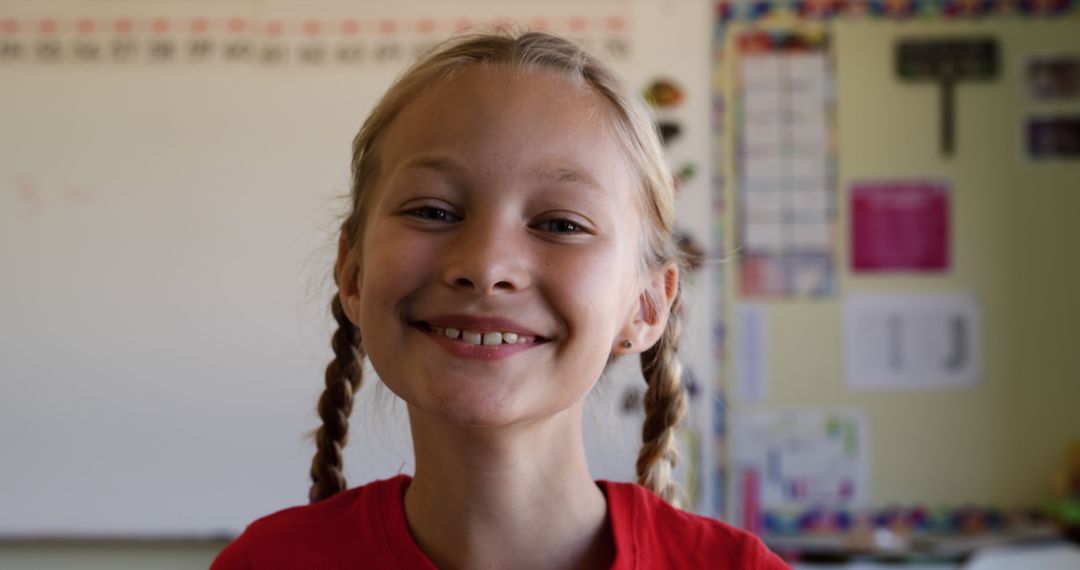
<point>1016,230</point>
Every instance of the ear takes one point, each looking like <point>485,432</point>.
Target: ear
<point>347,275</point>
<point>646,325</point>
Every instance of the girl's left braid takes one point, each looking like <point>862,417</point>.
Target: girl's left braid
<point>343,379</point>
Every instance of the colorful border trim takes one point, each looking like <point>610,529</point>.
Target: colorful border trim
<point>818,10</point>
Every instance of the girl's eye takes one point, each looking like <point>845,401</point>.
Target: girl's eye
<point>562,226</point>
<point>431,213</point>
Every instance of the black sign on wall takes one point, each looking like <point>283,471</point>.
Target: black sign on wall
<point>947,61</point>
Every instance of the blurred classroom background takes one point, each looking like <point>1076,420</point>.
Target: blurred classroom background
<point>878,196</point>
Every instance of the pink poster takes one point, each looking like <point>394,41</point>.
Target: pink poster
<point>900,226</point>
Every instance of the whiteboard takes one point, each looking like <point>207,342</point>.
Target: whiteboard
<point>167,228</point>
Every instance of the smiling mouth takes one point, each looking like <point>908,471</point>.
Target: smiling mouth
<point>479,338</point>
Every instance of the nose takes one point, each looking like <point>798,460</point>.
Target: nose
<point>486,257</point>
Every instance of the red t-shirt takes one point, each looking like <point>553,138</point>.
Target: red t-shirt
<point>366,528</point>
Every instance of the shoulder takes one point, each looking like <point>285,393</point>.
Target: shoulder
<point>334,533</point>
<point>664,536</point>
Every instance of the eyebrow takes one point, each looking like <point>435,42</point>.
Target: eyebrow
<point>436,163</point>
<point>567,176</point>
<point>561,175</point>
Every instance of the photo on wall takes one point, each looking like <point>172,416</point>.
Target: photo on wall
<point>1054,137</point>
<point>1053,77</point>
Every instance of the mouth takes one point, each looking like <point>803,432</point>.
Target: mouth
<point>476,337</point>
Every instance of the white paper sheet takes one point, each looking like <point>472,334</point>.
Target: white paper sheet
<point>807,68</point>
<point>802,457</point>
<point>764,137</point>
<point>811,165</point>
<point>752,354</point>
<point>807,200</point>
<point>809,134</point>
<point>763,100</point>
<point>812,236</point>
<point>766,200</point>
<point>764,237</point>
<point>761,71</point>
<point>912,341</point>
<point>763,170</point>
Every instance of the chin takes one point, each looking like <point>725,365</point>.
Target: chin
<point>475,411</point>
<point>465,403</point>
<point>486,413</point>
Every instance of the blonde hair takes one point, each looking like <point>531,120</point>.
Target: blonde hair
<point>664,400</point>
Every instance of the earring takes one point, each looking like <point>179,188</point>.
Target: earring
<point>627,344</point>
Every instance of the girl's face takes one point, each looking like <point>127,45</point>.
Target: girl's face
<point>502,204</point>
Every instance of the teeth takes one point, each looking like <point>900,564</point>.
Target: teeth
<point>485,338</point>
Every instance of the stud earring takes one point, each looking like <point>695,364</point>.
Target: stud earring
<point>627,344</point>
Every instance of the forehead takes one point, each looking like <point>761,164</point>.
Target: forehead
<point>503,120</point>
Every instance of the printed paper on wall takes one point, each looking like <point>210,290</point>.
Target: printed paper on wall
<point>799,457</point>
<point>900,226</point>
<point>785,165</point>
<point>912,341</point>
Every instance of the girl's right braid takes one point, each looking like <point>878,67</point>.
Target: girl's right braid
<point>665,406</point>
<point>343,378</point>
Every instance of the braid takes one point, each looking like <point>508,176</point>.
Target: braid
<point>343,378</point>
<point>665,406</point>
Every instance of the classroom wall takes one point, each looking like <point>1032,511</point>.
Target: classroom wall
<point>166,225</point>
<point>1043,401</point>
<point>134,144</point>
<point>1014,241</point>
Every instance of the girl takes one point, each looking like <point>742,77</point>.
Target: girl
<point>510,234</point>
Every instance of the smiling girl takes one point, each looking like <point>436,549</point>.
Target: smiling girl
<point>510,234</point>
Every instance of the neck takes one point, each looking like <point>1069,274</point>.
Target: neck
<point>500,497</point>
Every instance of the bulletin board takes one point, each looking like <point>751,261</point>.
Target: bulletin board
<point>932,255</point>
<point>171,180</point>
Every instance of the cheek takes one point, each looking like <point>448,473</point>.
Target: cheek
<point>393,268</point>
<point>598,287</point>
<point>392,264</point>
